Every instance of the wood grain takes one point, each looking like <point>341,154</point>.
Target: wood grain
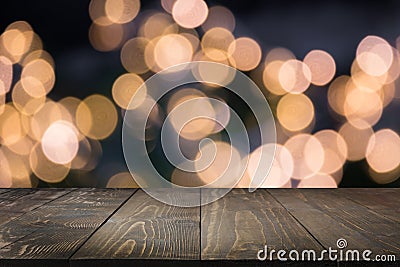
<point>108,227</point>
<point>384,201</point>
<point>329,215</point>
<point>25,200</point>
<point>145,228</point>
<point>12,195</point>
<point>57,229</point>
<point>3,190</point>
<point>238,225</point>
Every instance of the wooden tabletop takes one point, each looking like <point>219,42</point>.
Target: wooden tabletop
<point>127,227</point>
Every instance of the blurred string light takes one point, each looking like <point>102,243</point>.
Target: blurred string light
<point>40,138</point>
<point>43,139</point>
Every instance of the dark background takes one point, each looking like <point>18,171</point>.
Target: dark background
<point>334,26</point>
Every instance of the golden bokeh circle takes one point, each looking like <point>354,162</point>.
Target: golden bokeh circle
<point>121,11</point>
<point>219,16</point>
<point>295,112</point>
<point>271,77</point>
<point>295,76</point>
<point>172,49</point>
<point>322,66</point>
<point>215,43</point>
<point>335,149</point>
<point>11,130</point>
<point>308,155</point>
<point>245,54</point>
<point>190,13</point>
<point>96,117</point>
<point>125,87</point>
<point>383,151</point>
<point>356,139</point>
<point>38,77</point>
<point>133,55</point>
<point>45,169</point>
<point>122,180</point>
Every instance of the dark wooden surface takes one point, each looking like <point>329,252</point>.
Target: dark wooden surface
<point>126,227</point>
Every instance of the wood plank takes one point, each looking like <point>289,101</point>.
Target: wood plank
<point>14,194</point>
<point>372,197</point>
<point>57,229</point>
<point>384,201</point>
<point>10,196</point>
<point>145,228</point>
<point>368,222</point>
<point>238,225</point>
<point>3,190</point>
<point>13,208</point>
<point>329,216</point>
<point>106,227</point>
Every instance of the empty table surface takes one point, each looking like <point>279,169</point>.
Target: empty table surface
<point>127,227</point>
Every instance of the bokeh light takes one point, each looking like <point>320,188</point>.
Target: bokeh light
<point>225,167</point>
<point>330,111</point>
<point>219,16</point>
<point>186,106</point>
<point>106,37</point>
<point>322,66</point>
<point>60,142</point>
<point>38,54</point>
<point>190,13</point>
<point>308,155</point>
<point>281,170</point>
<point>156,25</point>
<point>172,49</point>
<point>295,76</point>
<point>19,169</point>
<point>356,139</point>
<point>24,102</point>
<point>183,178</point>
<point>383,178</point>
<point>335,149</point>
<point>167,5</point>
<point>97,12</point>
<point>46,169</point>
<point>374,55</point>
<point>337,94</point>
<point>17,40</point>
<point>133,55</point>
<point>383,151</point>
<point>38,78</point>
<point>6,74</point>
<point>271,77</point>
<point>11,130</point>
<point>361,107</point>
<point>245,53</point>
<point>279,54</point>
<point>125,87</point>
<point>215,75</point>
<point>295,112</point>
<point>96,117</point>
<point>215,43</point>
<point>318,181</point>
<point>122,180</point>
<point>121,11</point>
<point>37,124</point>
